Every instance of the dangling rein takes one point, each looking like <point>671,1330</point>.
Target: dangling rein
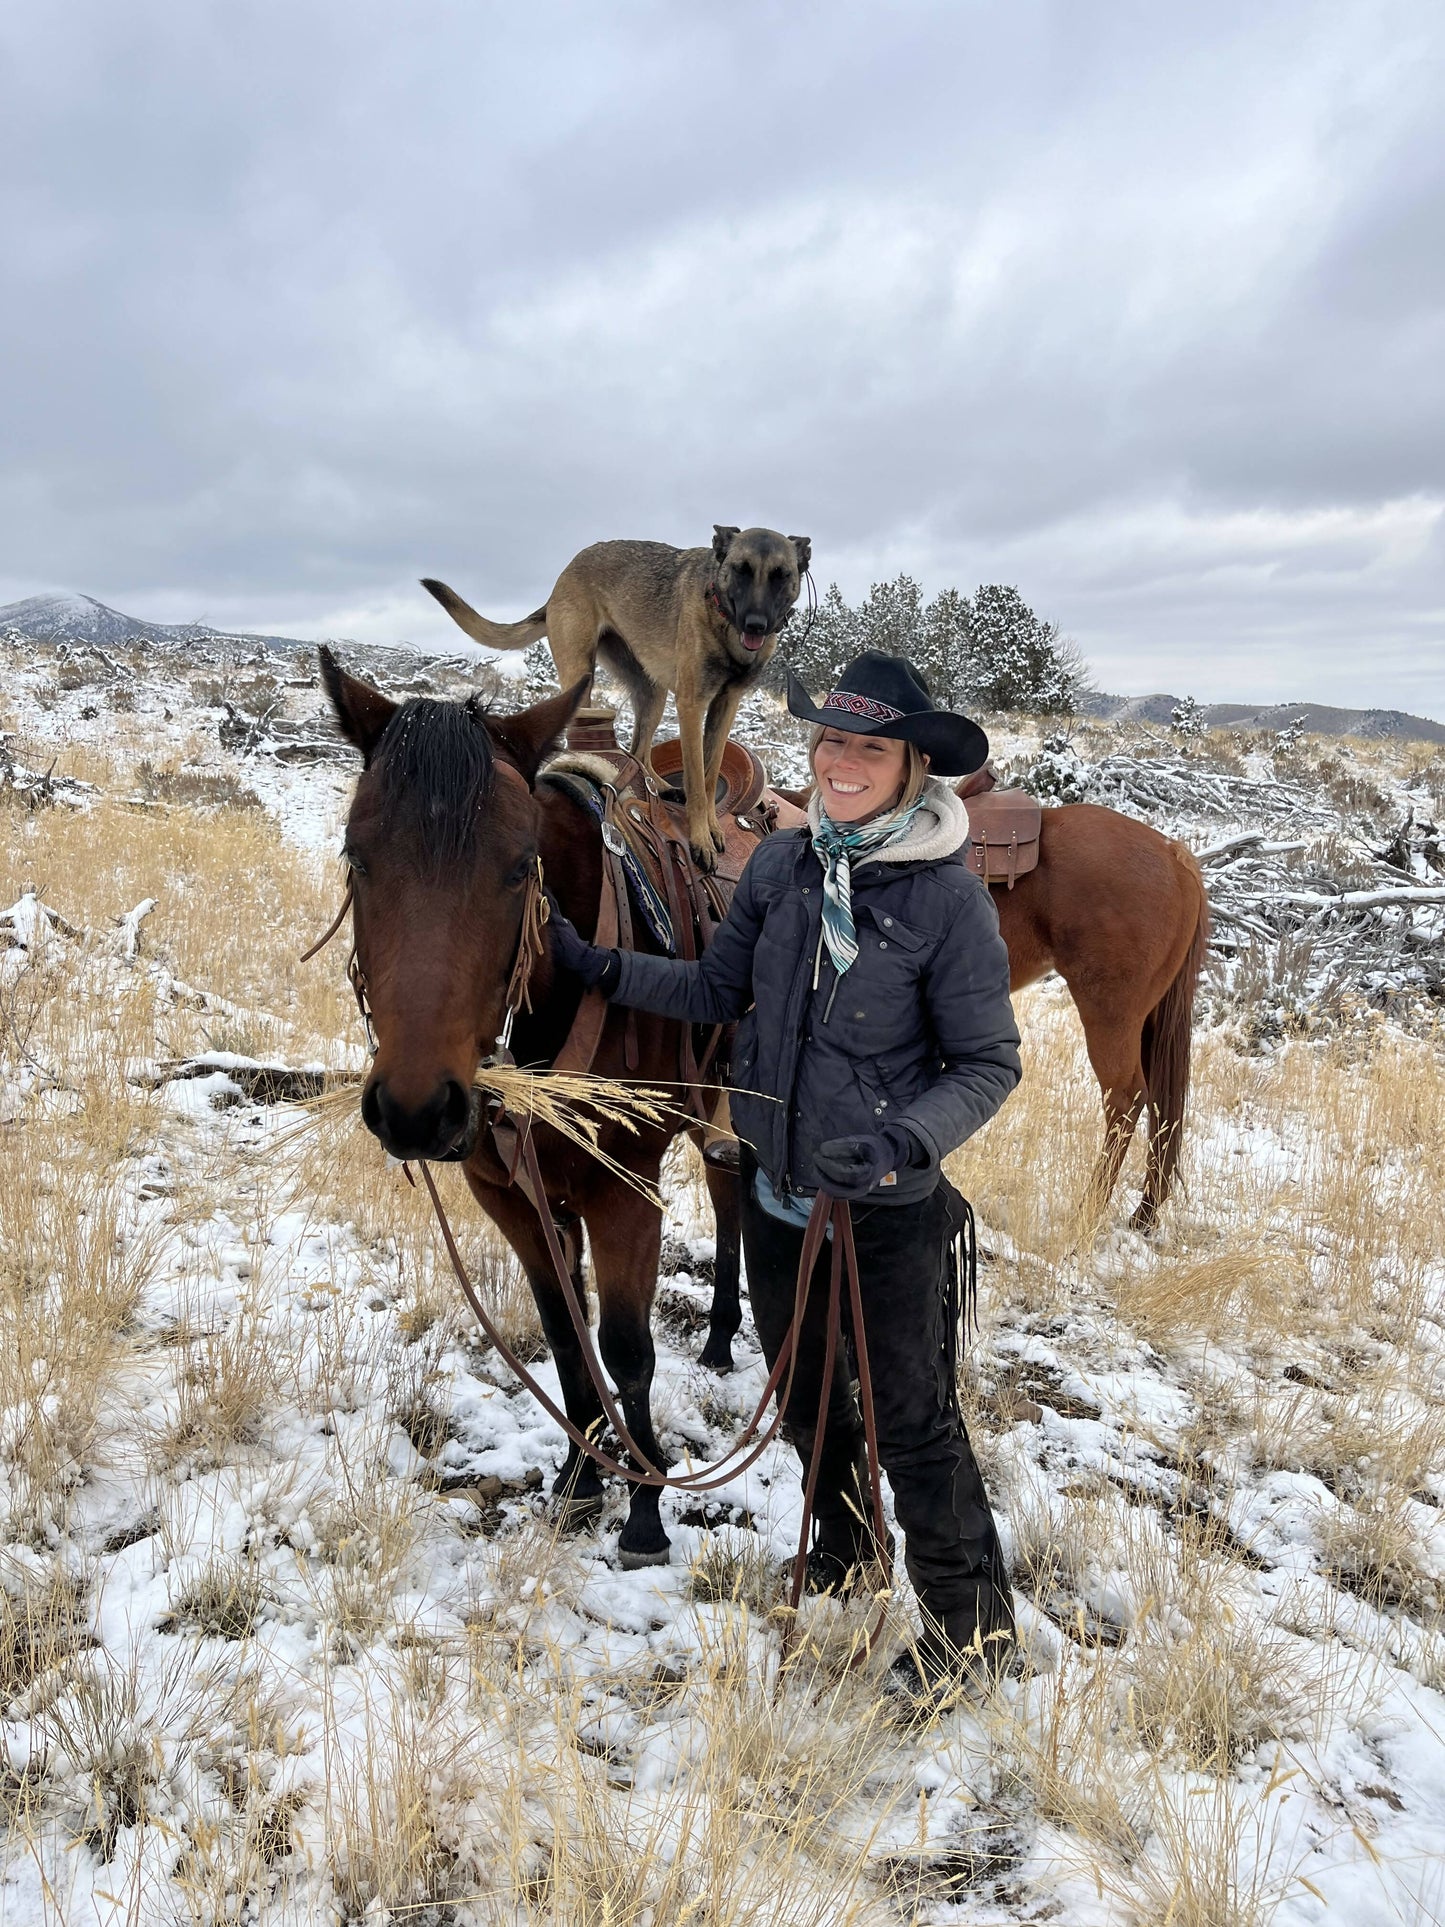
<point>827,1213</point>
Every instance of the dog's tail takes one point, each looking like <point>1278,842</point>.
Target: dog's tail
<point>494,635</point>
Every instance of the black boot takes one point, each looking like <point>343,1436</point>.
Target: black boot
<point>842,1562</point>
<point>845,1545</point>
<point>961,1652</point>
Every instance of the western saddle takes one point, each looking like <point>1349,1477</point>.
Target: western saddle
<point>648,874</point>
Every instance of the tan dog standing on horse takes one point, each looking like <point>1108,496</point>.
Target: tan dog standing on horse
<point>701,622</point>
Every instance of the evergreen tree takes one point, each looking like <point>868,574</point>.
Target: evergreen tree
<point>946,648</point>
<point>891,618</point>
<point>1018,659</point>
<point>1187,718</point>
<point>818,654</point>
<point>539,672</point>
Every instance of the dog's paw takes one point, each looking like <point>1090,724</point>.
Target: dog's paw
<point>703,855</point>
<point>719,841</point>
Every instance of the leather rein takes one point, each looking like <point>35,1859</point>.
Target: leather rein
<point>829,1215</point>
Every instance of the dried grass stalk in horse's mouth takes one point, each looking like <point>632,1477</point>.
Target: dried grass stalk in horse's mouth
<point>578,1104</point>
<point>575,1104</point>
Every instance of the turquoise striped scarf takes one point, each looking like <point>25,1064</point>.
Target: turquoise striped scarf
<point>837,844</point>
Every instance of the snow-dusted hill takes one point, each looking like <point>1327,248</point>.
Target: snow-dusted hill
<point>80,618</point>
<point>1316,719</point>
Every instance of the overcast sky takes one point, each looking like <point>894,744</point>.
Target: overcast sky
<point>1138,306</point>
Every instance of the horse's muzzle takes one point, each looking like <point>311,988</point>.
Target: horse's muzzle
<point>444,1128</point>
<point>467,1142</point>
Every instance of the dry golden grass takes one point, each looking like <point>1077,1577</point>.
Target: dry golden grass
<point>236,906</point>
<point>486,1780</point>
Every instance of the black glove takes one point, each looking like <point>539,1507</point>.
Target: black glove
<point>851,1167</point>
<point>599,969</point>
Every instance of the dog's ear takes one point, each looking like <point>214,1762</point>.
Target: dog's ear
<point>362,713</point>
<point>722,540</point>
<point>803,549</point>
<point>532,734</point>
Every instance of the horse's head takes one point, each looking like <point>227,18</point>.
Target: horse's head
<point>441,844</point>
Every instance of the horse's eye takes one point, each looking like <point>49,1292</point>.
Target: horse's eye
<point>520,871</point>
<point>353,862</point>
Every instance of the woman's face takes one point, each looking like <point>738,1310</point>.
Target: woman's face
<point>857,776</point>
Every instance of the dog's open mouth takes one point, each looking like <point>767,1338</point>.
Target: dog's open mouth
<point>751,643</point>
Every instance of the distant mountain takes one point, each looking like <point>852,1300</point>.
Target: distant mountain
<point>80,618</point>
<point>1320,719</point>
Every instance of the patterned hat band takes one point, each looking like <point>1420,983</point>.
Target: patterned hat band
<point>882,695</point>
<point>875,712</point>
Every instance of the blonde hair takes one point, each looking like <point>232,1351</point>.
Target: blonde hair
<point>915,768</point>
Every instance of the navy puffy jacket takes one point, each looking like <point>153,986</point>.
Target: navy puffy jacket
<point>918,1032</point>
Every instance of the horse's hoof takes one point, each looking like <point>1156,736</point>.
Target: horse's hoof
<point>717,1355</point>
<point>1145,1219</point>
<point>635,1561</point>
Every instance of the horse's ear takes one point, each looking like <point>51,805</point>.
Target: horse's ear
<point>362,712</point>
<point>532,734</point>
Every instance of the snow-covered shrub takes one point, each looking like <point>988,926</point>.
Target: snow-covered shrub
<point>539,673</point>
<point>1058,774</point>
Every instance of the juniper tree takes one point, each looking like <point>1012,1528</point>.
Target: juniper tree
<point>1019,660</point>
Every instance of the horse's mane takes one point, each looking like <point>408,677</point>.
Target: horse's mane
<point>436,762</point>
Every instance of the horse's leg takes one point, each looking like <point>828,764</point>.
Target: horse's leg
<point>577,1488</point>
<point>1113,1044</point>
<point>727,1302</point>
<point>626,1235</point>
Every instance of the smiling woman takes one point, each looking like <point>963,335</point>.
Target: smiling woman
<point>865,963</point>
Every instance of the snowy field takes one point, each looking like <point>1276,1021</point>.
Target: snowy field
<point>285,1633</point>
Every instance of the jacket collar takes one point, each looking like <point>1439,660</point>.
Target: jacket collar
<point>939,830</point>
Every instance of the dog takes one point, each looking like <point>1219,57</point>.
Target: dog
<point>700,622</point>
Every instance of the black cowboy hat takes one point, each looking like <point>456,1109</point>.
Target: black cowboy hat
<point>880,695</point>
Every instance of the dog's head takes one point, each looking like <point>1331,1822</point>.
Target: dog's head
<point>758,575</point>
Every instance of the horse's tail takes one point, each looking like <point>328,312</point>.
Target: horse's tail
<point>1166,1038</point>
<point>492,635</point>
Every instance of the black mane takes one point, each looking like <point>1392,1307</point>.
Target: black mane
<point>435,762</point>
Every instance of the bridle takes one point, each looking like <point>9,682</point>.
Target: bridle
<point>531,943</point>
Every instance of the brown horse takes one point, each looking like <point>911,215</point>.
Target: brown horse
<point>1120,912</point>
<point>442,840</point>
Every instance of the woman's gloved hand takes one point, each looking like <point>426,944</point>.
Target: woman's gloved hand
<point>851,1167</point>
<point>599,969</point>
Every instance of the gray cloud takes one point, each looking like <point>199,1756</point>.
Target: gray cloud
<point>1142,309</point>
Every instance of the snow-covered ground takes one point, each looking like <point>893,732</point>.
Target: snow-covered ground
<point>285,1633</point>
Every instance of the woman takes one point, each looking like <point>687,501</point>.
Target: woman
<point>865,962</point>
